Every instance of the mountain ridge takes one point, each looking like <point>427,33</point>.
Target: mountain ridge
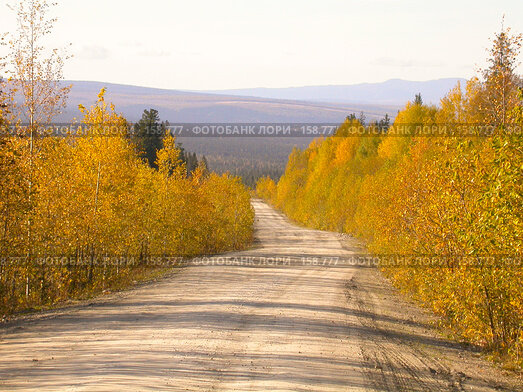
<point>392,91</point>
<point>322,103</point>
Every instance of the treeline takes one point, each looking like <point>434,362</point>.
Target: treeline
<point>96,210</point>
<point>455,198</point>
<point>247,157</point>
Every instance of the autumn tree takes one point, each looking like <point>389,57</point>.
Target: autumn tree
<point>456,198</point>
<point>98,199</point>
<point>169,160</point>
<point>89,196</point>
<point>36,75</point>
<point>36,72</point>
<point>501,82</point>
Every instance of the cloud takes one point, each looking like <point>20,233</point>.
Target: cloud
<point>94,52</point>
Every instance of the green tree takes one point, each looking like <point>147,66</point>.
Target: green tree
<point>191,161</point>
<point>148,136</point>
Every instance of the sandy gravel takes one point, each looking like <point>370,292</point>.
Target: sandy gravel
<point>257,327</point>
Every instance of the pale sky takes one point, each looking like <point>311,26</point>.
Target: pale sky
<point>220,44</point>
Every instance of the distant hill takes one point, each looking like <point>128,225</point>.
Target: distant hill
<point>248,157</point>
<point>392,92</point>
<point>184,106</point>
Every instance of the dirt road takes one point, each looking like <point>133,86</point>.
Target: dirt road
<point>255,327</point>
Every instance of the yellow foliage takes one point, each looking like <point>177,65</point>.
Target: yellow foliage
<point>457,199</point>
<point>93,198</point>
